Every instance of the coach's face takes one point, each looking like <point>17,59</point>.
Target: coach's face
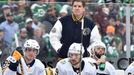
<point>78,9</point>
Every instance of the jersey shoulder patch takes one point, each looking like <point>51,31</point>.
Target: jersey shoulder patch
<point>63,61</point>
<point>53,30</point>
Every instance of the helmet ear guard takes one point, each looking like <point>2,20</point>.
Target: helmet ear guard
<point>76,48</point>
<point>32,44</point>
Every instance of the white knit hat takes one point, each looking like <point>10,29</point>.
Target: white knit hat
<point>64,9</point>
<point>28,20</point>
<point>5,6</point>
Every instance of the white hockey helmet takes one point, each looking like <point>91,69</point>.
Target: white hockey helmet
<point>76,48</point>
<point>96,44</point>
<point>32,44</point>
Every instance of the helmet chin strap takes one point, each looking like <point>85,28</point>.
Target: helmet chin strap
<point>96,56</point>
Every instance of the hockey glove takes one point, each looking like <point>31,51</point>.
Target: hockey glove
<point>17,54</point>
<point>13,66</point>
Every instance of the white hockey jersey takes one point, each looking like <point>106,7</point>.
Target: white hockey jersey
<point>64,67</point>
<point>109,68</point>
<point>130,69</point>
<point>0,70</point>
<point>36,69</point>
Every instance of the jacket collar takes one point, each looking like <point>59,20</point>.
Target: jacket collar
<point>77,19</point>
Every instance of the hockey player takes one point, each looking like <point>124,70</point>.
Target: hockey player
<point>0,70</point>
<point>26,64</point>
<point>0,63</point>
<point>130,69</point>
<point>97,51</point>
<point>73,64</point>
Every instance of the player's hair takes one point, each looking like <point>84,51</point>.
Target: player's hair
<point>82,1</point>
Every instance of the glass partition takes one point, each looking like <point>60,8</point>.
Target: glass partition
<point>110,18</point>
